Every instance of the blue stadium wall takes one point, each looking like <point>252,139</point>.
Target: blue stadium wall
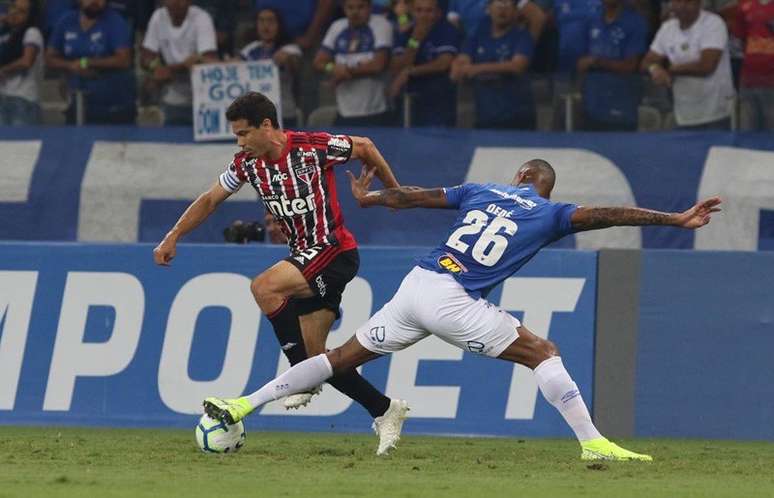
<point>94,334</point>
<point>130,184</point>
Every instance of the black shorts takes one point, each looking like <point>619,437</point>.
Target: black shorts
<point>328,270</point>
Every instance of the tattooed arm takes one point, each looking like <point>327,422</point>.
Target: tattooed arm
<point>593,218</point>
<point>396,198</point>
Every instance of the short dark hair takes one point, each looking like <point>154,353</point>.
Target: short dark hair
<point>253,107</point>
<point>540,172</point>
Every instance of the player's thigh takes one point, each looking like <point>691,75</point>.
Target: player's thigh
<point>388,330</point>
<point>281,279</point>
<point>314,329</point>
<point>488,333</point>
<point>327,271</point>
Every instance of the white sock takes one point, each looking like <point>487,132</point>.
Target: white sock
<point>297,379</point>
<point>560,390</point>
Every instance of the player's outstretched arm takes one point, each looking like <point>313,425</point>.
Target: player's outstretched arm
<point>593,218</point>
<point>396,198</point>
<point>196,213</point>
<point>365,150</point>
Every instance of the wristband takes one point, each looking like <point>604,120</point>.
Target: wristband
<point>329,67</point>
<point>84,63</point>
<point>652,67</point>
<point>413,43</point>
<point>403,19</point>
<point>152,65</point>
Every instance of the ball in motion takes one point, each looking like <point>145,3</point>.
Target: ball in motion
<point>215,436</point>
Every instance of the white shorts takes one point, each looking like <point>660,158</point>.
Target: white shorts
<point>434,303</point>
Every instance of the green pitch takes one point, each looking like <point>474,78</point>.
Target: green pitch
<point>54,462</point>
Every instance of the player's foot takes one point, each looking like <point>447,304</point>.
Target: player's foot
<point>389,425</point>
<point>602,449</point>
<point>296,401</point>
<point>229,411</point>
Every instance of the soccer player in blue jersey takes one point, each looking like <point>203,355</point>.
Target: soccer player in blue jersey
<point>499,229</point>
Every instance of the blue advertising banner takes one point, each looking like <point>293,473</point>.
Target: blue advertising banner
<point>98,335</point>
<point>704,364</point>
<point>131,184</point>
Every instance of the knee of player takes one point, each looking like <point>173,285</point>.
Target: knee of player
<point>261,288</point>
<point>336,359</point>
<point>313,348</point>
<point>549,348</point>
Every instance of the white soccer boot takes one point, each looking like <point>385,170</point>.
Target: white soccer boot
<point>389,425</point>
<point>296,401</point>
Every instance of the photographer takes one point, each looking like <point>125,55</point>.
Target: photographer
<point>240,232</point>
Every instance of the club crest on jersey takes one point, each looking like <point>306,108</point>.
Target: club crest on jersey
<point>451,264</point>
<point>307,167</point>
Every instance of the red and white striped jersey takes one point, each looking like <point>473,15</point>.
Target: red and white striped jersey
<point>299,189</point>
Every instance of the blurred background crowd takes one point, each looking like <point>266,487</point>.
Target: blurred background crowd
<point>602,65</point>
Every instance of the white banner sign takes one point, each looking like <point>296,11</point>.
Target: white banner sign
<point>215,86</point>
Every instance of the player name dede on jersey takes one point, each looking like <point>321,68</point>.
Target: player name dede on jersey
<point>281,206</point>
<point>498,211</point>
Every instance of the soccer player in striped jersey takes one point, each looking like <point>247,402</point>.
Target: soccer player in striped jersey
<point>499,228</point>
<point>293,174</point>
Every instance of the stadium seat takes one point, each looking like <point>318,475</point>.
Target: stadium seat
<point>648,119</point>
<point>52,103</point>
<point>150,115</point>
<point>466,107</point>
<point>746,115</point>
<point>668,123</point>
<point>322,117</point>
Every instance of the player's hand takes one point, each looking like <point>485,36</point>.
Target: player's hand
<point>164,252</point>
<point>360,186</point>
<point>699,215</point>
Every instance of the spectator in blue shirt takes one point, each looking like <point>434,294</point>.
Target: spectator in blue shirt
<point>273,44</point>
<point>421,61</point>
<point>135,12</point>
<point>572,18</point>
<point>496,59</point>
<point>305,20</point>
<point>612,89</point>
<point>467,14</point>
<point>92,46</point>
<point>53,11</point>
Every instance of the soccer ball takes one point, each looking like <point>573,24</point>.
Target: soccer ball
<point>215,436</point>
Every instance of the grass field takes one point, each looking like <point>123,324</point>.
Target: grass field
<point>64,462</point>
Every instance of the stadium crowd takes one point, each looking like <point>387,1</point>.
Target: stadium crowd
<point>605,65</point>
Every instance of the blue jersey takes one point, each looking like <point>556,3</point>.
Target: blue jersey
<point>500,97</point>
<point>499,229</point>
<point>608,96</point>
<point>111,89</point>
